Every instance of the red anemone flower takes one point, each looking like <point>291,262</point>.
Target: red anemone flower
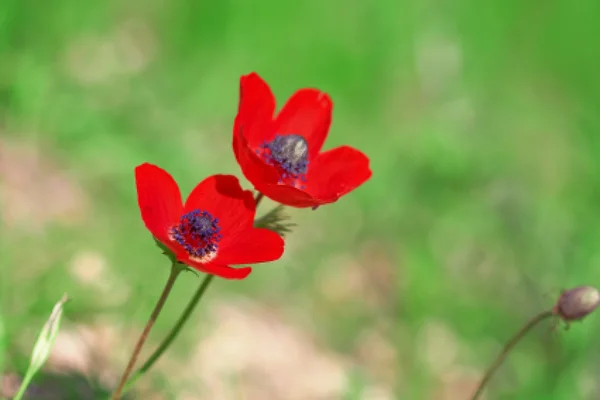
<point>212,230</point>
<point>281,155</point>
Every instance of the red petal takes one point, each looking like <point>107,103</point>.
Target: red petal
<point>336,172</point>
<point>255,110</point>
<point>288,195</point>
<point>224,198</point>
<point>307,113</point>
<point>223,271</point>
<point>250,247</point>
<point>253,167</point>
<point>159,199</point>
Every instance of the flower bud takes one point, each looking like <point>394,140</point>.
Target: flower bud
<point>575,304</point>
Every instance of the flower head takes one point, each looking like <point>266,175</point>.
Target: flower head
<point>576,303</point>
<point>212,230</point>
<point>281,154</point>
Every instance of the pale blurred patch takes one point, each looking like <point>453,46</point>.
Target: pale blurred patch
<point>371,276</point>
<point>89,350</point>
<point>90,268</point>
<point>377,354</point>
<point>440,350</point>
<point>588,384</point>
<point>9,385</point>
<point>248,352</point>
<point>459,383</point>
<point>94,59</point>
<point>34,191</point>
<point>253,348</point>
<point>438,346</point>
<point>336,286</point>
<point>254,353</point>
<point>438,60</point>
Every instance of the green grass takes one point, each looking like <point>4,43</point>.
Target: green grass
<point>486,173</point>
<point>2,342</point>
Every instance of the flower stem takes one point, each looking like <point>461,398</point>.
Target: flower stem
<point>258,198</point>
<point>175,270</point>
<point>507,348</point>
<point>172,334</point>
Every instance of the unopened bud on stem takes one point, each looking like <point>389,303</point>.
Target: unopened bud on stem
<point>575,304</point>
<point>572,305</point>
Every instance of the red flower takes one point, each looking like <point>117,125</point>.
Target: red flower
<point>282,155</point>
<point>212,230</point>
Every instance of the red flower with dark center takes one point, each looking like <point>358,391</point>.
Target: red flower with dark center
<point>281,155</point>
<point>212,230</point>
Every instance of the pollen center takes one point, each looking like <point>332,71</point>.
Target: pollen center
<point>289,153</point>
<point>198,233</point>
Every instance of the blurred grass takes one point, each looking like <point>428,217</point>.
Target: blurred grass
<point>480,119</point>
<point>2,343</point>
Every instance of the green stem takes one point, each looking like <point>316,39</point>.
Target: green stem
<point>178,326</point>
<point>507,348</point>
<point>258,198</point>
<point>173,333</point>
<point>23,388</point>
<point>175,270</point>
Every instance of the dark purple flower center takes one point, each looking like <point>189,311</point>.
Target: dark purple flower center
<point>198,233</point>
<point>289,153</point>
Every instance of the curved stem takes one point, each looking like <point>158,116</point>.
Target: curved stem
<point>507,348</point>
<point>175,270</point>
<point>172,334</point>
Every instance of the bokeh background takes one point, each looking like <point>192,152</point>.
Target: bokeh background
<point>481,121</point>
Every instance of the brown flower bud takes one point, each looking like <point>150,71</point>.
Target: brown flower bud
<point>574,304</point>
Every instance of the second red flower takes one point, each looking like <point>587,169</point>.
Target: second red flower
<point>281,155</point>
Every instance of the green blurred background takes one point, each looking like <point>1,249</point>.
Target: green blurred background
<point>481,122</point>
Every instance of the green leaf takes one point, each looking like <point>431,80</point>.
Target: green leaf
<point>166,251</point>
<point>275,220</point>
<point>43,345</point>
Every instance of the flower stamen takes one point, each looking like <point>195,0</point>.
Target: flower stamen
<point>289,153</point>
<point>198,233</point>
